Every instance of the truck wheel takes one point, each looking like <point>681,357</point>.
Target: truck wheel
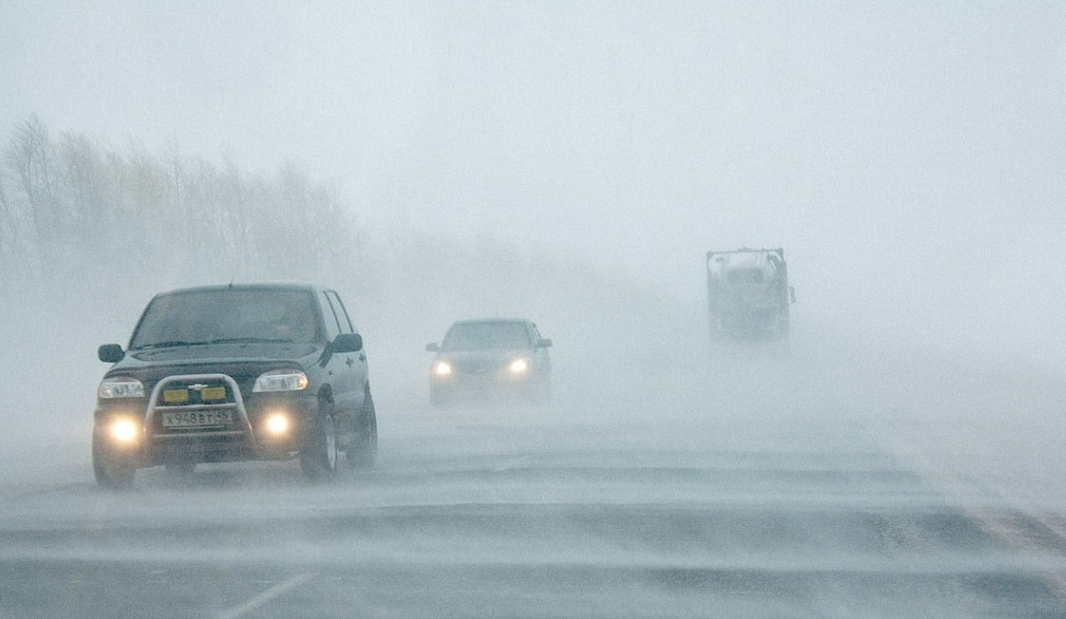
<point>363,451</point>
<point>112,471</point>
<point>318,458</point>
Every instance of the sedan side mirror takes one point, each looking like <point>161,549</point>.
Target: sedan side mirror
<point>544,343</point>
<point>347,342</point>
<point>110,353</point>
<point>432,347</point>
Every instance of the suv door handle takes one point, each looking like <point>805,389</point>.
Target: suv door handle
<point>362,357</point>
<point>349,362</point>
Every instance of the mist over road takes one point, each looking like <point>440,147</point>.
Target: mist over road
<point>752,493</point>
<point>571,163</point>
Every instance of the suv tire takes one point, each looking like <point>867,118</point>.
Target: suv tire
<point>362,452</point>
<point>112,471</point>
<point>318,458</point>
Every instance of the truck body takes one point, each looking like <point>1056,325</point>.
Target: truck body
<point>748,295</point>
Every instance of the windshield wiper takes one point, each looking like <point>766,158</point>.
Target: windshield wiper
<point>167,344</point>
<point>246,340</point>
<point>218,340</point>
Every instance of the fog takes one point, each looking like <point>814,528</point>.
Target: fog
<point>572,163</point>
<point>908,158</point>
<point>632,361</point>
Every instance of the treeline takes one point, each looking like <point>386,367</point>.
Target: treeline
<point>85,225</point>
<point>69,202</point>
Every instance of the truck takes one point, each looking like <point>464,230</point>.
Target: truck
<point>748,295</point>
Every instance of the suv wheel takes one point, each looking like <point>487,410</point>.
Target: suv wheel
<point>362,452</point>
<point>318,458</point>
<point>112,471</point>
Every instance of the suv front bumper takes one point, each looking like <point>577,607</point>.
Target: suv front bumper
<point>265,426</point>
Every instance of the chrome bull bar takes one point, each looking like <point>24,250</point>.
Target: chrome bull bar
<point>236,406</point>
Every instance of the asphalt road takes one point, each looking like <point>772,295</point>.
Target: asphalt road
<point>700,508</point>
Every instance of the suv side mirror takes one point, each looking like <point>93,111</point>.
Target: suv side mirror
<point>544,343</point>
<point>347,342</point>
<point>110,353</point>
<point>432,347</point>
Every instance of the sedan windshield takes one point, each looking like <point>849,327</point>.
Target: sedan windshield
<point>475,335</point>
<point>226,316</point>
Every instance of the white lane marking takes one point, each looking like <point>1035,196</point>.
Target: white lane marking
<point>270,594</point>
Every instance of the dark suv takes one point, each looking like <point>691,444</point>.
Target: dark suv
<point>238,372</point>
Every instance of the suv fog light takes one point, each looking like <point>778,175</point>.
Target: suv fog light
<point>124,430</point>
<point>277,424</point>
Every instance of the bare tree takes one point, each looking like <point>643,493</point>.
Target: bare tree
<point>12,253</point>
<point>169,212</point>
<point>30,156</point>
<point>93,215</point>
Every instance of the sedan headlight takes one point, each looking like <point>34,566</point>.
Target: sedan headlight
<point>120,387</point>
<point>519,366</point>
<point>281,380</point>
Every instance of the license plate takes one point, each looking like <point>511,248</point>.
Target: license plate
<point>196,419</point>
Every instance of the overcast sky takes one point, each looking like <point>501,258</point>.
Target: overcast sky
<point>912,152</point>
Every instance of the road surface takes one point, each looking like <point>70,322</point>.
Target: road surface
<point>788,500</point>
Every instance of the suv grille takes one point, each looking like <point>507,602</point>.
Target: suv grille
<point>196,404</point>
<point>185,393</point>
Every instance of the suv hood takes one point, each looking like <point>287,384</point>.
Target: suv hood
<point>273,351</point>
<point>244,366</point>
<point>233,359</point>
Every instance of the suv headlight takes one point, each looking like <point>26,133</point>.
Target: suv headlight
<point>120,387</point>
<point>519,366</point>
<point>281,380</point>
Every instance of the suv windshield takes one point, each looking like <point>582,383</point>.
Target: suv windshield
<point>473,335</point>
<point>226,315</point>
